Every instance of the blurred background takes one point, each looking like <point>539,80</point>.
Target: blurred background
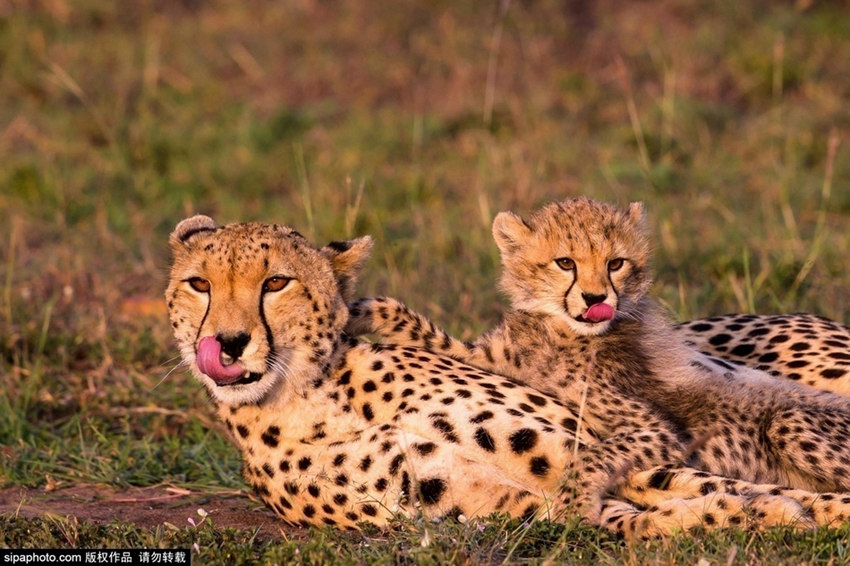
<point>413,121</point>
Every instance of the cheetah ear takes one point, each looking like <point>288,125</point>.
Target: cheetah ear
<point>347,260</point>
<point>637,214</point>
<point>510,232</point>
<point>189,227</point>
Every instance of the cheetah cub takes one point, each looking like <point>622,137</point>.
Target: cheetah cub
<point>334,431</point>
<point>582,329</point>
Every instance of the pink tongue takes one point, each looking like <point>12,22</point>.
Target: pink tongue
<point>599,312</point>
<point>209,362</point>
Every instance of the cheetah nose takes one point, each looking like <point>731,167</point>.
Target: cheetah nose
<point>209,362</point>
<point>590,299</point>
<point>234,344</point>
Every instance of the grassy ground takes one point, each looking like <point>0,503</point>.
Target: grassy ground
<point>414,122</point>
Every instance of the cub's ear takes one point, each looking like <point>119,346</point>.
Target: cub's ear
<point>189,227</point>
<point>510,232</point>
<point>637,214</point>
<point>347,260</point>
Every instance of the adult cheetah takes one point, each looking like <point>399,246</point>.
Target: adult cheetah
<point>337,431</point>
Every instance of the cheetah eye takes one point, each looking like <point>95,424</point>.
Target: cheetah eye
<point>199,284</point>
<point>276,283</point>
<point>565,263</point>
<point>616,264</point>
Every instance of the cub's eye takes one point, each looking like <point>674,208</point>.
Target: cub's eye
<point>565,263</point>
<point>616,264</point>
<point>200,285</point>
<point>273,284</point>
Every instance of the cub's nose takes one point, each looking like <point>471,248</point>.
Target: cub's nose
<point>233,344</point>
<point>591,299</point>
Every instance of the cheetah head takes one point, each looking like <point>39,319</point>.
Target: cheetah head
<point>256,309</point>
<point>579,260</point>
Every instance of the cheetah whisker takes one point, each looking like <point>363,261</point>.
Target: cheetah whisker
<point>183,363</point>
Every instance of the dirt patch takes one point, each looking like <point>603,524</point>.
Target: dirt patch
<point>147,507</point>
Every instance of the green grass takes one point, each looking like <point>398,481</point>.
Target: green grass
<point>119,119</point>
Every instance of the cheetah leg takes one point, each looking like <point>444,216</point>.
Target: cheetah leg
<point>591,471</point>
<point>711,511</point>
<point>394,322</point>
<point>650,487</point>
<point>812,444</point>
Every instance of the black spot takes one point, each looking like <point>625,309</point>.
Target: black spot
<point>369,386</point>
<point>309,511</point>
<point>719,339</point>
<point>660,479</point>
<point>270,437</point>
<point>424,448</point>
<point>377,365</point>
<point>291,488</point>
<point>743,350</point>
<point>708,487</point>
<point>339,459</point>
<point>799,346</point>
<point>481,417</point>
<point>701,327</point>
<point>536,399</point>
<point>242,430</point>
<point>268,470</point>
<point>284,502</point>
<point>366,463</point>
<point>484,440</point>
<point>570,424</point>
<point>284,466</point>
<point>523,440</point>
<point>539,466</point>
<point>768,357</point>
<point>396,464</point>
<point>370,510</point>
<point>304,463</point>
<point>368,413</point>
<point>341,480</point>
<point>432,490</point>
<point>340,499</point>
<point>529,512</point>
<point>381,484</point>
<point>833,373</point>
<point>345,378</point>
<point>313,490</point>
<point>445,428</point>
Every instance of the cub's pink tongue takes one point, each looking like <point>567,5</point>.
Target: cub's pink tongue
<point>209,362</point>
<point>599,312</point>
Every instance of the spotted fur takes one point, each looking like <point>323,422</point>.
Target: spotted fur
<point>632,372</point>
<point>805,348</point>
<point>336,431</point>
